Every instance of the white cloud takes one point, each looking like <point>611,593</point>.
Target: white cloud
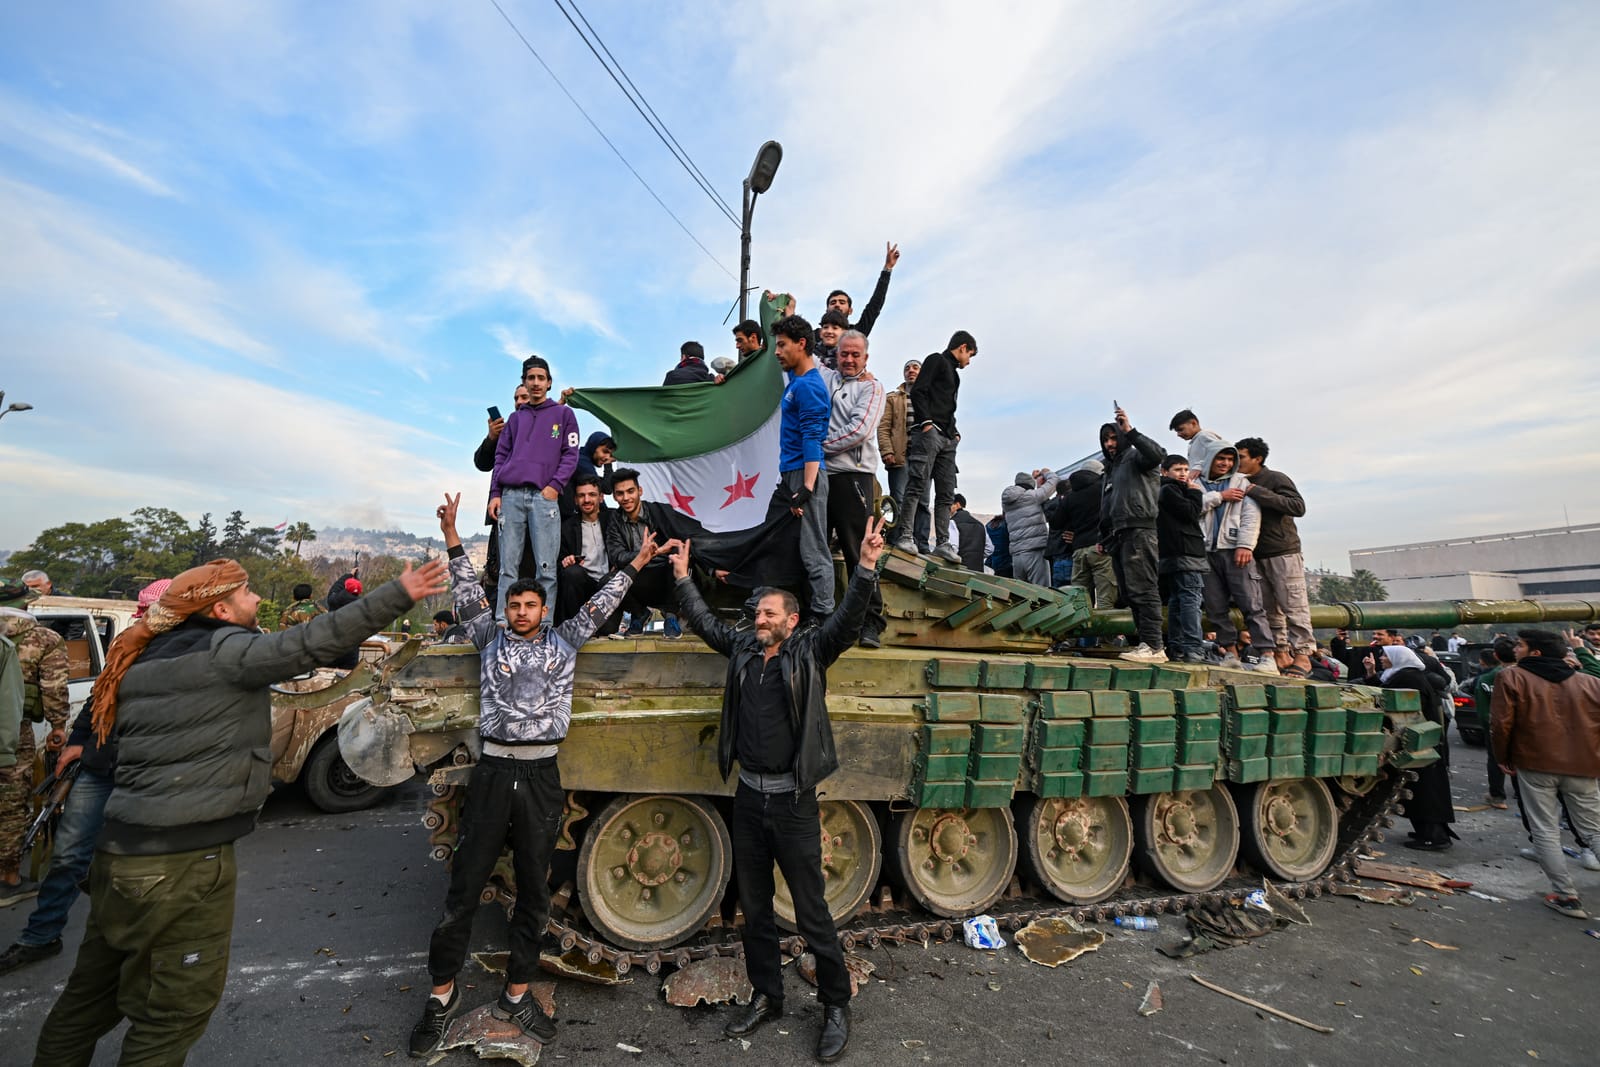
<point>61,133</point>
<point>521,262</point>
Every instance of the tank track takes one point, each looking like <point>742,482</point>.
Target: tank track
<point>1362,821</point>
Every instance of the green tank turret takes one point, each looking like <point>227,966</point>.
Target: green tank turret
<point>978,772</point>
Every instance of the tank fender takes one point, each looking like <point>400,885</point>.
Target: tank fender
<point>375,743</point>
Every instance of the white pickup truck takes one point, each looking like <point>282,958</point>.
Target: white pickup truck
<point>305,747</point>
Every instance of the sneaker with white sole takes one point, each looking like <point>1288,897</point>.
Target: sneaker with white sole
<point>527,1014</point>
<point>1528,854</point>
<point>1264,665</point>
<point>1143,653</point>
<point>1571,907</point>
<point>905,544</point>
<point>1590,861</point>
<point>948,553</point>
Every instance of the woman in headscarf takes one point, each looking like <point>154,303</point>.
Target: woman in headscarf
<point>1430,809</point>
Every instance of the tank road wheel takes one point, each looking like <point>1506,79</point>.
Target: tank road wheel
<point>1356,785</point>
<point>1077,848</point>
<point>1189,839</point>
<point>653,868</point>
<point>1291,827</point>
<point>955,861</point>
<point>852,856</point>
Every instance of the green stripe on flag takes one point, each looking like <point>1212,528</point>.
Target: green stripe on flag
<point>652,424</point>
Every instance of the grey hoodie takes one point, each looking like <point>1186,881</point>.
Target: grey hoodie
<point>851,446</point>
<point>1231,524</point>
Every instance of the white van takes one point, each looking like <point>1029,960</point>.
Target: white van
<point>88,625</point>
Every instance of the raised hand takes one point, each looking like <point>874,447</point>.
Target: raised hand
<point>891,255</point>
<point>425,581</point>
<point>446,513</point>
<point>680,559</point>
<point>872,543</point>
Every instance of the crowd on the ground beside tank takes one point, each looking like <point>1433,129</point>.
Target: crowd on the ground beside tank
<point>1180,538</point>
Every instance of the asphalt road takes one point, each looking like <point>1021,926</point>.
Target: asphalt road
<point>334,914</point>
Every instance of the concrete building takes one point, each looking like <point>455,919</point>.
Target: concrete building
<point>1558,563</point>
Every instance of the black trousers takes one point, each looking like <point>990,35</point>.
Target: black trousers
<point>784,828</point>
<point>1139,583</point>
<point>849,508</point>
<point>515,802</point>
<point>574,587</point>
<point>1497,777</point>
<point>654,588</point>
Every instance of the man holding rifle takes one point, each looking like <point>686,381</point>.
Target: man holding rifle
<point>42,655</point>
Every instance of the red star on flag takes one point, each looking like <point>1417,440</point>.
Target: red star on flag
<point>680,502</point>
<point>742,488</point>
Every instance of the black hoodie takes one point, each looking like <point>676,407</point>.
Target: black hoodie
<point>1180,544</point>
<point>1128,488</point>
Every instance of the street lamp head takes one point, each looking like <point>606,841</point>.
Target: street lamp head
<point>19,406</point>
<point>765,167</point>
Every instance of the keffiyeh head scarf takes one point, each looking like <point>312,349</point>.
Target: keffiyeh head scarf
<point>190,592</point>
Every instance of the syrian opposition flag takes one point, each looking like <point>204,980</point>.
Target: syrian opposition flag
<point>709,451</point>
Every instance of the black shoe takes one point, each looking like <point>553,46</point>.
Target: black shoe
<point>428,1034</point>
<point>20,955</point>
<point>762,1008</point>
<point>870,639</point>
<point>1429,844</point>
<point>527,1014</point>
<point>835,1034</point>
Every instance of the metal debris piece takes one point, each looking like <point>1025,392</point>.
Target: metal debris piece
<point>1152,1002</point>
<point>1491,898</point>
<point>1283,906</point>
<point>1054,941</point>
<point>1269,1009</point>
<point>499,1039</point>
<point>630,1048</point>
<point>913,1043</point>
<point>859,968</point>
<point>576,965</point>
<point>1472,807</point>
<point>1376,894</point>
<point>718,980</point>
<point>1416,970</point>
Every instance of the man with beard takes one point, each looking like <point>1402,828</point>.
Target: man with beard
<point>186,690</point>
<point>775,723</point>
<point>1128,512</point>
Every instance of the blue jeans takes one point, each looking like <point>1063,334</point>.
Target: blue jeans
<point>525,515</point>
<point>1061,572</point>
<point>76,832</point>
<point>1183,612</point>
<point>922,523</point>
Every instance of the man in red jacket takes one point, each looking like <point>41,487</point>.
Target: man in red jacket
<point>1545,729</point>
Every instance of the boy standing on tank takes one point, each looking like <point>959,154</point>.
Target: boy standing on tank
<point>1181,551</point>
<point>514,796</point>
<point>775,723</point>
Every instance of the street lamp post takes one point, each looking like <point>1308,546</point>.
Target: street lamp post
<point>17,405</point>
<point>759,181</point>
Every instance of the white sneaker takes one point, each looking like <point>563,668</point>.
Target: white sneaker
<point>1528,854</point>
<point>1143,653</point>
<point>1264,665</point>
<point>1590,861</point>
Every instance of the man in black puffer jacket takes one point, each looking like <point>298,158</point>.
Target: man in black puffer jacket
<point>775,723</point>
<point>1128,519</point>
<point>184,694</point>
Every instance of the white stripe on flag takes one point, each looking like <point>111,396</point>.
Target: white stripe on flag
<point>723,490</point>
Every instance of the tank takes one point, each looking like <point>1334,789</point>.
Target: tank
<point>978,771</point>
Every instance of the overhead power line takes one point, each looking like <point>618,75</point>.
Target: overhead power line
<point>642,106</point>
<point>609,144</point>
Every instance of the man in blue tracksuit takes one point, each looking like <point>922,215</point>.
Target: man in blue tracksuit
<point>801,488</point>
<point>514,795</point>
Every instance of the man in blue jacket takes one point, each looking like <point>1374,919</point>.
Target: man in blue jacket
<point>803,427</point>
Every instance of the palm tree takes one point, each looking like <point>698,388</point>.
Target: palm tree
<point>297,532</point>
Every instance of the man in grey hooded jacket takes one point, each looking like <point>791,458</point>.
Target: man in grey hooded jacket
<point>1022,503</point>
<point>1231,523</point>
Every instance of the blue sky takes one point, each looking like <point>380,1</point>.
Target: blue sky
<point>280,256</point>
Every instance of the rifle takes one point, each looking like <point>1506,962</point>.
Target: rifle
<point>57,786</point>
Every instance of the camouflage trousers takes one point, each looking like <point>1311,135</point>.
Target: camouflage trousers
<point>16,783</point>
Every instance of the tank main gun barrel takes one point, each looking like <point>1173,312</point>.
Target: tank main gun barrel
<point>1403,615</point>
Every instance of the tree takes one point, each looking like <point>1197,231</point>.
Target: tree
<point>233,533</point>
<point>298,532</point>
<point>1363,585</point>
<point>88,559</point>
<point>203,543</point>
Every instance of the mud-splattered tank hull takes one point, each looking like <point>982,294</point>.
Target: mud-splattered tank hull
<point>977,771</point>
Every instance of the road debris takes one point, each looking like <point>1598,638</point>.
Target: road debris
<point>1435,944</point>
<point>1152,1002</point>
<point>1396,874</point>
<point>1283,906</point>
<point>1490,897</point>
<point>858,967</point>
<point>492,1038</point>
<point>717,980</point>
<point>1269,1009</point>
<point>982,932</point>
<point>1054,941</point>
<point>1378,895</point>
<point>1416,970</point>
<point>576,965</point>
<point>630,1048</point>
<point>913,1043</point>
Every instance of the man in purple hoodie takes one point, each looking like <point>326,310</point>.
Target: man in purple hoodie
<point>536,454</point>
